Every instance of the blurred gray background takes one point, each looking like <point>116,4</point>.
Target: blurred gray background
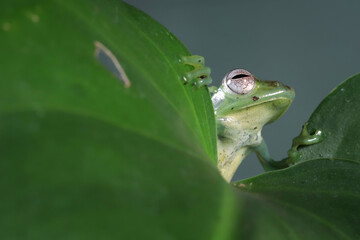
<point>311,46</point>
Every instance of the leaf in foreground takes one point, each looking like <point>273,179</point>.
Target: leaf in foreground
<point>84,156</point>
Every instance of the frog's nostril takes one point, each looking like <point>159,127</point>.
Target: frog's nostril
<point>290,88</point>
<point>274,83</point>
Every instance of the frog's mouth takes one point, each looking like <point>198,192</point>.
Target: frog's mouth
<point>274,108</point>
<point>276,100</point>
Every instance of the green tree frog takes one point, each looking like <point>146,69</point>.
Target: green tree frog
<point>243,105</point>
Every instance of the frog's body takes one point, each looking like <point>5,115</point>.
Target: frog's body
<point>243,105</point>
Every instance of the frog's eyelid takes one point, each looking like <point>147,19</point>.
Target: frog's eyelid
<point>237,71</point>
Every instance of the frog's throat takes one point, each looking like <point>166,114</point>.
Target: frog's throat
<point>239,132</point>
<point>236,138</point>
<point>232,151</point>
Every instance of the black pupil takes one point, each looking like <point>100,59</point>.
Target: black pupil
<point>239,76</point>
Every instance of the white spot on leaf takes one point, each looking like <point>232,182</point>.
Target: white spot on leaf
<point>103,54</point>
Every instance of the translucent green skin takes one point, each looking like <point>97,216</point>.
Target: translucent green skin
<point>199,75</point>
<point>240,119</point>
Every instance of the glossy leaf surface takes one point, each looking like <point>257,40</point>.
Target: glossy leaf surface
<point>317,199</point>
<point>338,118</point>
<point>84,157</point>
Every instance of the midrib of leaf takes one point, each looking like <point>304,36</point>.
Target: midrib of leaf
<point>153,83</point>
<point>225,228</point>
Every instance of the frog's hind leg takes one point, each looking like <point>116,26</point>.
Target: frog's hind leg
<point>199,75</point>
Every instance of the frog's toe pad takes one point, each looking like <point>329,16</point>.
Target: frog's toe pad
<point>199,75</point>
<point>304,139</point>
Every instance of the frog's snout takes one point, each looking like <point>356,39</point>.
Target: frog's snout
<point>289,88</point>
<point>282,87</point>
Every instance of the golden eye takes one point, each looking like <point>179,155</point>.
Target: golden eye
<point>240,81</point>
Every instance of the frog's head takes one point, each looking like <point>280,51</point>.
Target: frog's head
<point>242,95</point>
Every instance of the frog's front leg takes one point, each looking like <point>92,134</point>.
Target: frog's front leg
<point>199,75</point>
<point>304,139</point>
<point>266,161</point>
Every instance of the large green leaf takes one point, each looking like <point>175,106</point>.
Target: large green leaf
<point>66,175</point>
<point>338,118</point>
<point>318,197</point>
<point>55,41</point>
<point>84,157</point>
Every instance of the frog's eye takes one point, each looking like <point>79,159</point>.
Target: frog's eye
<point>240,81</point>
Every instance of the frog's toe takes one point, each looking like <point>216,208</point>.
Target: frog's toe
<point>294,156</point>
<point>305,138</point>
<point>199,75</point>
<point>213,89</point>
<point>193,60</point>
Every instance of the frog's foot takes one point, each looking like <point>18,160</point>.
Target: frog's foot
<point>213,89</point>
<point>200,74</point>
<point>304,139</point>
